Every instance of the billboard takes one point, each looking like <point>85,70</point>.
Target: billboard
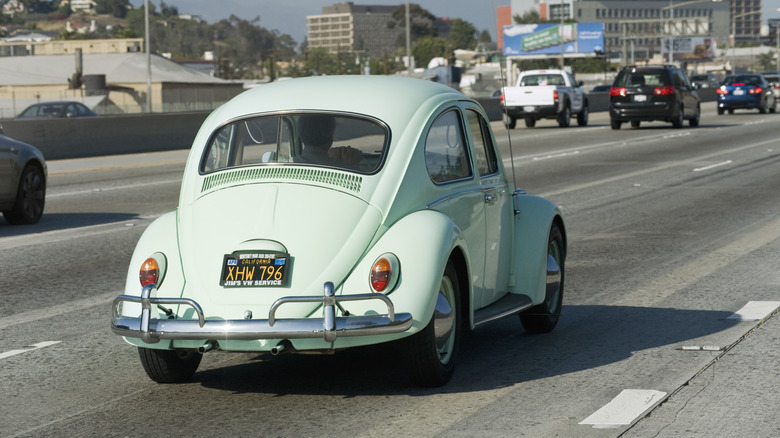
<point>546,39</point>
<point>693,48</point>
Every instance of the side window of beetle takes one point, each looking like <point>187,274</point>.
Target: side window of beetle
<point>484,152</point>
<point>445,151</point>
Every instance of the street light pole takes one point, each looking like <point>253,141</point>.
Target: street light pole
<point>671,41</point>
<point>733,39</point>
<point>148,59</point>
<point>408,43</point>
<point>560,32</point>
<point>777,34</point>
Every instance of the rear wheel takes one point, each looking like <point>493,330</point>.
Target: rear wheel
<point>30,198</point>
<point>694,121</point>
<point>544,317</point>
<point>616,124</point>
<point>720,111</point>
<point>564,118</point>
<point>582,116</point>
<point>431,352</point>
<point>530,123</point>
<point>635,123</point>
<point>169,366</point>
<point>731,111</point>
<point>678,121</point>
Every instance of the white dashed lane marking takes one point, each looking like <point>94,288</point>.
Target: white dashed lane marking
<point>630,404</point>
<point>625,408</point>
<point>755,310</point>
<point>32,347</point>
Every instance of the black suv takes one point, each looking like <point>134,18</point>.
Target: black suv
<point>655,92</point>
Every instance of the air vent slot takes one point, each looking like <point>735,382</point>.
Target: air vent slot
<point>348,181</point>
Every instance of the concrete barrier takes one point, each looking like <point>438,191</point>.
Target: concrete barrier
<point>107,135</point>
<point>138,133</point>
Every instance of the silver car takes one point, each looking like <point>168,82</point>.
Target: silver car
<point>773,77</point>
<point>22,181</point>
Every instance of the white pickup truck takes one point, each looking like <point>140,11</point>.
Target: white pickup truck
<point>544,94</point>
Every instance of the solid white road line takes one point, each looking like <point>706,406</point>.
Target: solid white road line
<point>625,408</point>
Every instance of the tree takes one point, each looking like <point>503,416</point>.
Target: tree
<point>766,61</point>
<point>117,8</point>
<point>589,65</point>
<point>484,37</point>
<point>319,61</point>
<point>284,47</point>
<point>168,11</point>
<point>421,23</point>
<point>462,35</point>
<point>245,43</point>
<point>528,17</point>
<point>428,48</point>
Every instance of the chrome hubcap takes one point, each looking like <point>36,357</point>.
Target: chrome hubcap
<point>553,279</point>
<point>444,320</point>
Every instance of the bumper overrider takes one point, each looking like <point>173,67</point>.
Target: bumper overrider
<point>329,327</point>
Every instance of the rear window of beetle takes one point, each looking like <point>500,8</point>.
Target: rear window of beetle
<point>346,142</point>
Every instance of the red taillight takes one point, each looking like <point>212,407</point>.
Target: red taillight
<point>738,84</point>
<point>380,274</point>
<point>555,95</point>
<point>722,90</point>
<point>664,91</point>
<point>615,91</point>
<point>150,272</point>
<point>501,97</point>
<point>756,90</point>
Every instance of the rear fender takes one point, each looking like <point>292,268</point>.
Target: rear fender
<point>423,242</point>
<point>158,238</point>
<point>534,217</point>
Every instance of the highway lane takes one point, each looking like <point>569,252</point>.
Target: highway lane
<point>671,232</point>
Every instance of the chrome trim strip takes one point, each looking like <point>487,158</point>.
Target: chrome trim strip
<point>485,188</point>
<point>508,305</point>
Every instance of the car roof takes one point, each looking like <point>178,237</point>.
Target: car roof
<point>56,102</point>
<point>388,98</point>
<point>405,105</point>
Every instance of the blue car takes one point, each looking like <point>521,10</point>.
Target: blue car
<point>746,91</point>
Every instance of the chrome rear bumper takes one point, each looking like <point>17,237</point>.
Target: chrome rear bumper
<point>329,327</point>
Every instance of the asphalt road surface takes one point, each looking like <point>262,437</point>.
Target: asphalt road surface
<point>668,327</point>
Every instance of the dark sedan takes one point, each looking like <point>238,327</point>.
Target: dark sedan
<point>66,109</point>
<point>22,181</point>
<point>746,91</point>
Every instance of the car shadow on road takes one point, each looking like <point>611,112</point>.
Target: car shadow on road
<point>499,355</point>
<point>64,221</point>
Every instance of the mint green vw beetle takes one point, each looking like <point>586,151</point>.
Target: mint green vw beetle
<point>326,213</point>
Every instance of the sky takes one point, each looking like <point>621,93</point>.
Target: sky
<point>289,16</point>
